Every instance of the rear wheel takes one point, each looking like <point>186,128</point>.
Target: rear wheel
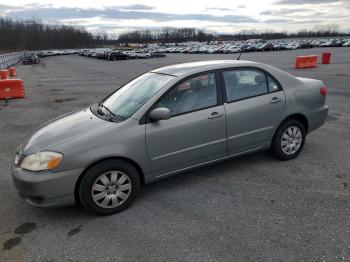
<point>109,187</point>
<point>289,140</point>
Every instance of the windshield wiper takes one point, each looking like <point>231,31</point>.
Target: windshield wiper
<point>111,115</point>
<point>100,106</point>
<point>107,113</point>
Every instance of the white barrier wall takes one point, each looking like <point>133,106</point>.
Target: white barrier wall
<point>7,60</point>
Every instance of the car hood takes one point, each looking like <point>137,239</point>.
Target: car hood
<point>66,129</point>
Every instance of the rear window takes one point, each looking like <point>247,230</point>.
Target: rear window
<point>273,85</point>
<point>244,83</point>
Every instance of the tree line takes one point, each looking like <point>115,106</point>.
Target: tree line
<point>178,35</point>
<point>34,35</point>
<point>165,35</point>
<point>331,30</point>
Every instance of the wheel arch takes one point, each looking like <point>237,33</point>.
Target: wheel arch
<point>297,116</point>
<point>273,148</point>
<point>300,117</point>
<point>128,160</point>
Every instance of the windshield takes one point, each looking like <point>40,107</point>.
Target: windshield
<point>129,98</point>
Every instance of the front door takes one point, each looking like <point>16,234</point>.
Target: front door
<point>196,131</point>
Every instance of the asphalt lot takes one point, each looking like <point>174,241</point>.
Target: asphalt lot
<point>253,208</point>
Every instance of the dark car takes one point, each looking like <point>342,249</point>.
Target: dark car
<point>249,48</point>
<point>267,47</point>
<point>157,54</point>
<point>117,55</point>
<point>31,59</point>
<point>306,45</point>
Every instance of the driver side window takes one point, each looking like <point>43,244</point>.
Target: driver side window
<point>192,94</point>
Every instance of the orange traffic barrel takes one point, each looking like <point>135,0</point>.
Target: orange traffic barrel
<point>3,74</point>
<point>326,58</point>
<point>12,71</point>
<point>11,88</point>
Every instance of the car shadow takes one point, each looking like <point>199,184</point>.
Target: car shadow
<point>218,170</point>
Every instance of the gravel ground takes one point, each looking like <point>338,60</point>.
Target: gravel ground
<point>253,208</point>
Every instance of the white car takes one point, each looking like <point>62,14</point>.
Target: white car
<point>142,54</point>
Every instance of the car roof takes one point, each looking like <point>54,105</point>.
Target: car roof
<point>197,67</point>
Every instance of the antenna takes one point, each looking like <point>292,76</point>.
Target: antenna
<point>240,53</point>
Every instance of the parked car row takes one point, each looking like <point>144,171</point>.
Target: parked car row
<point>252,45</point>
<point>115,54</point>
<point>213,47</point>
<point>46,53</point>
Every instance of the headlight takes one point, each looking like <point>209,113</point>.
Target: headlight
<point>41,161</point>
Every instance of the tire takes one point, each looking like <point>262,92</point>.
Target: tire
<point>109,197</point>
<point>289,140</point>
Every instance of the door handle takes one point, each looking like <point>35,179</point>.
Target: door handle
<point>215,115</point>
<point>275,100</point>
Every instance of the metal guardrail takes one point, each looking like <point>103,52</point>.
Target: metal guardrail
<point>7,60</point>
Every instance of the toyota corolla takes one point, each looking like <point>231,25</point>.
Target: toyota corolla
<point>162,123</point>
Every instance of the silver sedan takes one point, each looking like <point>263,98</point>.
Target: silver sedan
<point>162,123</point>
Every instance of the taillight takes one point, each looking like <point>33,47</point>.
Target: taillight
<point>323,91</point>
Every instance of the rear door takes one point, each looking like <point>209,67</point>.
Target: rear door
<point>196,131</point>
<point>254,103</point>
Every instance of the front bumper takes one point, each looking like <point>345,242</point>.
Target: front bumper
<point>45,188</point>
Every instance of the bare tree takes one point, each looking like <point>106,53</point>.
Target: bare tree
<point>177,35</point>
<point>34,35</point>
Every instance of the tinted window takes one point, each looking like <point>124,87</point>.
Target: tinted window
<point>273,86</point>
<point>193,94</point>
<point>244,83</point>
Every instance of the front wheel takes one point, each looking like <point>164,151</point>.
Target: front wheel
<point>289,140</point>
<point>109,187</point>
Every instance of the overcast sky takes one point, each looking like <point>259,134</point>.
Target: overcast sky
<point>227,16</point>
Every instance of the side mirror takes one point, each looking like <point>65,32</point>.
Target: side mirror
<point>160,113</point>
